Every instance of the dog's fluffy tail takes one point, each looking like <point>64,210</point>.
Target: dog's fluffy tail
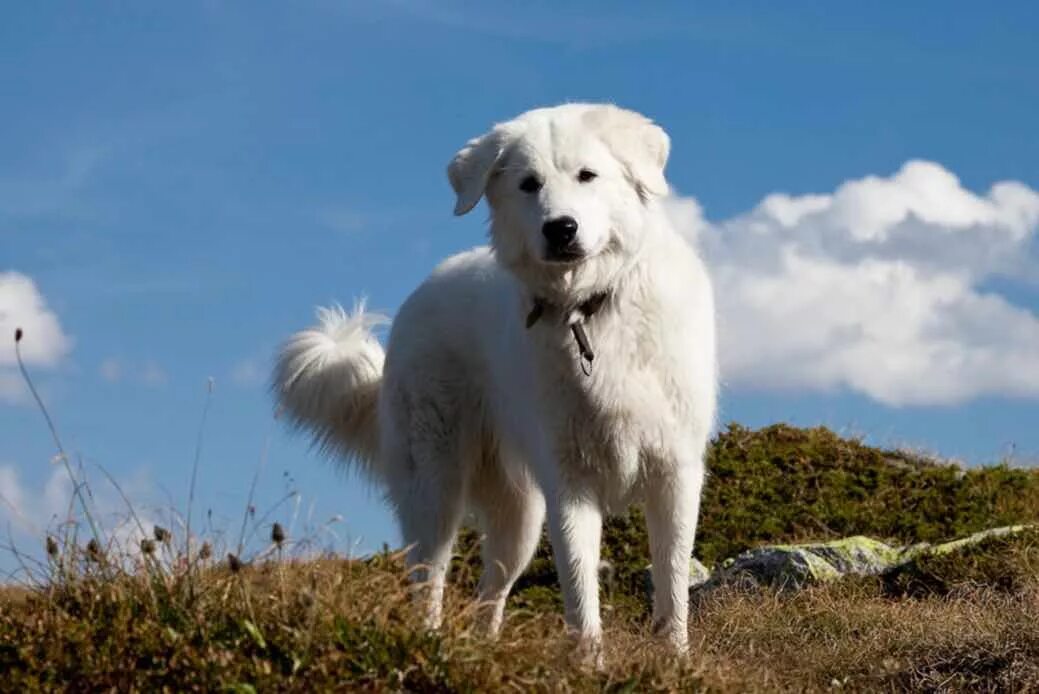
<point>327,380</point>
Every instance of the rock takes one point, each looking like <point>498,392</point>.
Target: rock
<point>790,567</point>
<point>946,547</point>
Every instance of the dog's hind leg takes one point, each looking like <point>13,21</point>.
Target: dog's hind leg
<point>511,515</point>
<point>429,532</point>
<point>427,485</point>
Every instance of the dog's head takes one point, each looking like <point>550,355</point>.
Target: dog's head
<point>568,189</point>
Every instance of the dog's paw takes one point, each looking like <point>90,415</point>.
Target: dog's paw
<point>588,653</point>
<point>674,634</point>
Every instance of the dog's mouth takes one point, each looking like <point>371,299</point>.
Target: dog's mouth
<point>564,256</point>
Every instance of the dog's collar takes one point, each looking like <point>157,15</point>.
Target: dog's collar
<point>575,319</point>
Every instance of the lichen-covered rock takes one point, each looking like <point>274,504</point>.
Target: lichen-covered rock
<point>858,555</point>
<point>788,567</point>
<point>946,547</point>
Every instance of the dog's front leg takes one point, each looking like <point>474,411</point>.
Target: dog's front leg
<point>672,508</point>
<point>575,524</point>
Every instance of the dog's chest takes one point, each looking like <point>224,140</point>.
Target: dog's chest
<point>611,415</point>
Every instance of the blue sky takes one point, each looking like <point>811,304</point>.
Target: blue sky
<point>181,184</point>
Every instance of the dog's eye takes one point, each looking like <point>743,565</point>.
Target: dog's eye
<point>586,175</point>
<point>530,184</point>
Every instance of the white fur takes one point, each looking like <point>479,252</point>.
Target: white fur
<point>327,380</point>
<point>474,411</point>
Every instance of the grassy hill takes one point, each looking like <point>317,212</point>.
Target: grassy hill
<point>782,484</point>
<point>971,620</point>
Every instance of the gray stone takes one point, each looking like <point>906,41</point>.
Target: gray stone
<point>790,567</point>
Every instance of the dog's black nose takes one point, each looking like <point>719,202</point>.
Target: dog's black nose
<point>560,232</point>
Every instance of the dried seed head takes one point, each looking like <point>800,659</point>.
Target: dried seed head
<point>206,551</point>
<point>18,334</point>
<point>234,563</point>
<point>277,534</point>
<point>52,547</point>
<point>94,550</point>
<point>148,546</point>
<point>161,533</point>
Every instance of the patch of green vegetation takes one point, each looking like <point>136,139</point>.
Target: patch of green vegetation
<point>783,485</point>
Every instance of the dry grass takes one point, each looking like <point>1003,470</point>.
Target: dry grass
<point>335,624</point>
<point>170,617</point>
<point>853,637</point>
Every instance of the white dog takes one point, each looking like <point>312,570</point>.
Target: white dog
<point>573,361</point>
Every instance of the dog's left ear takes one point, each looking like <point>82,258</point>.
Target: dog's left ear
<point>639,144</point>
<point>471,168</point>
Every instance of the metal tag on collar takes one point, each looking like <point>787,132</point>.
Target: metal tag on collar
<point>583,346</point>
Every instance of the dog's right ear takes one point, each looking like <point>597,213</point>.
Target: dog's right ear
<point>471,168</point>
<point>638,143</point>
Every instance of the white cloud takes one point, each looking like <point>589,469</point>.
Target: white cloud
<point>149,373</point>
<point>44,343</point>
<point>32,512</point>
<point>878,287</point>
